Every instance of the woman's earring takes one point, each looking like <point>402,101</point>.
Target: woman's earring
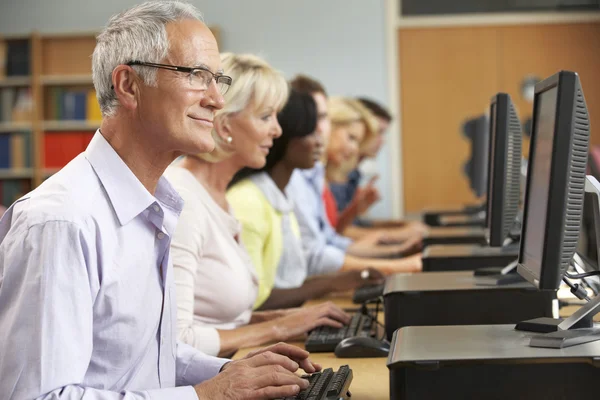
<point>229,139</point>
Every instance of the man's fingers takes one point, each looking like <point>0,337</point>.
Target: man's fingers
<point>293,352</point>
<point>276,392</point>
<point>271,358</point>
<point>274,375</point>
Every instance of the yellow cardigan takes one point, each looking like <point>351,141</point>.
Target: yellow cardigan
<point>261,233</point>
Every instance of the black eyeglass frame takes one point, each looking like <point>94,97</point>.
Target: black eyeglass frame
<point>218,78</point>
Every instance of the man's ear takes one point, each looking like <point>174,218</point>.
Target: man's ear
<point>126,86</point>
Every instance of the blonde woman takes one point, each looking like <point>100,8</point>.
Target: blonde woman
<point>217,284</point>
<point>354,130</point>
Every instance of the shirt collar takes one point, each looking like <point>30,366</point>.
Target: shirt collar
<point>128,196</point>
<point>280,201</point>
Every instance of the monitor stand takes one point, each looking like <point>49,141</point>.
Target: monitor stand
<point>560,333</point>
<point>579,327</point>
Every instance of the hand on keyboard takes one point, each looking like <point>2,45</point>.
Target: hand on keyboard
<point>307,319</point>
<point>263,374</point>
<point>350,280</point>
<point>326,385</point>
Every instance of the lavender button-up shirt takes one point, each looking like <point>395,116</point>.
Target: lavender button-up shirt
<point>87,301</point>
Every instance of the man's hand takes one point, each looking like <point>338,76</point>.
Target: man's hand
<point>264,374</point>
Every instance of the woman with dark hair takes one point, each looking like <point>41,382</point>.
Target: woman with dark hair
<point>269,227</point>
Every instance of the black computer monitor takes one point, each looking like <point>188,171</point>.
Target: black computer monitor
<point>504,169</point>
<point>477,131</point>
<point>554,196</point>
<point>555,180</point>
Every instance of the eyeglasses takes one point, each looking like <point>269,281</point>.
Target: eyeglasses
<point>200,77</point>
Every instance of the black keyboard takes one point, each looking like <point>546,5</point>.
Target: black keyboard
<point>324,338</point>
<point>366,293</point>
<point>326,385</point>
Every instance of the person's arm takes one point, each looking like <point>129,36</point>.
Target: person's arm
<point>283,328</point>
<point>321,257</point>
<point>186,254</point>
<point>407,264</point>
<point>362,200</point>
<point>49,283</point>
<point>318,286</point>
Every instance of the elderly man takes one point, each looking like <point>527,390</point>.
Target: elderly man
<point>87,302</point>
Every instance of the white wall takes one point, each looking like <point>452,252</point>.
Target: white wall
<point>340,42</point>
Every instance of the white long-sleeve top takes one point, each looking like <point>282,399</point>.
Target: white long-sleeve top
<point>214,276</point>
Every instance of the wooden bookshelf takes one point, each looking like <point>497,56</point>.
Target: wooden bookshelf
<point>10,127</point>
<point>55,66</point>
<point>15,81</point>
<point>49,126</point>
<point>14,173</point>
<point>66,80</point>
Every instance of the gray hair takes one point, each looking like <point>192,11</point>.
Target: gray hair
<point>135,34</point>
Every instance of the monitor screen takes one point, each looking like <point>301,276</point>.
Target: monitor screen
<point>493,116</point>
<point>537,203</point>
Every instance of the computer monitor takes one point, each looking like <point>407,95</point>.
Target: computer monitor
<point>554,195</point>
<point>555,180</point>
<point>504,169</point>
<point>477,131</point>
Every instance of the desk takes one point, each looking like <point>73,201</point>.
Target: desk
<point>371,376</point>
<point>451,298</point>
<point>487,362</point>
<point>342,300</point>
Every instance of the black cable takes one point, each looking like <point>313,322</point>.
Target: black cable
<point>582,275</point>
<point>577,289</point>
<point>365,310</point>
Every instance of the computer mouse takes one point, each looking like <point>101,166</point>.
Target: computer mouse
<point>361,347</point>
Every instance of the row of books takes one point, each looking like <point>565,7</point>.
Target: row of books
<point>62,147</point>
<point>15,58</point>
<point>59,148</point>
<point>15,150</point>
<point>13,189</point>
<point>73,104</point>
<point>16,105</point>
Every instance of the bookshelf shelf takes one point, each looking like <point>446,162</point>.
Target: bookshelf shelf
<point>47,172</point>
<point>60,80</point>
<point>50,126</point>
<point>15,81</point>
<point>16,173</point>
<point>11,127</point>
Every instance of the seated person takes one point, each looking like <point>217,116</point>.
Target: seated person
<point>87,301</point>
<point>363,197</point>
<point>217,284</point>
<point>269,228</point>
<point>355,130</point>
<point>326,250</point>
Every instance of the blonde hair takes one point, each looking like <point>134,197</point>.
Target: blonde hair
<point>344,110</point>
<point>255,83</point>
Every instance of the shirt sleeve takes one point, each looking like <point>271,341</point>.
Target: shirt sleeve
<point>324,253</point>
<point>186,253</point>
<point>49,282</point>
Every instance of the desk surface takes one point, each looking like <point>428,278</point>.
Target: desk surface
<point>469,250</point>
<point>444,281</point>
<point>419,344</point>
<point>438,231</point>
<point>371,377</point>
